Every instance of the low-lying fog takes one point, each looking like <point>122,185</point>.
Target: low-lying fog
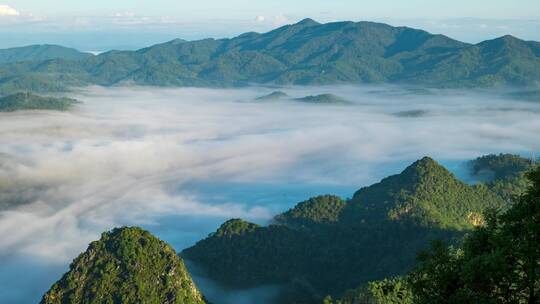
<point>181,161</point>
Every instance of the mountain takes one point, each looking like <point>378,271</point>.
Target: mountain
<point>29,101</point>
<point>306,53</point>
<point>276,95</point>
<point>323,99</point>
<point>327,245</point>
<point>425,193</point>
<point>127,265</point>
<point>503,174</point>
<point>40,53</point>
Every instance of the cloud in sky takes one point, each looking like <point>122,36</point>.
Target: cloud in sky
<point>6,10</point>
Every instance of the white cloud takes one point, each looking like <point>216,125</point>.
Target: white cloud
<point>281,19</point>
<point>123,14</point>
<point>260,19</point>
<point>131,156</point>
<point>6,10</point>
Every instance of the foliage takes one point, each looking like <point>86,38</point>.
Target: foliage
<point>40,53</point>
<point>505,173</point>
<point>502,166</point>
<point>498,263</point>
<point>127,265</point>
<point>387,291</point>
<point>235,227</point>
<point>326,245</point>
<point>425,193</point>
<point>276,95</point>
<point>323,99</point>
<point>316,210</point>
<point>28,101</point>
<point>303,53</point>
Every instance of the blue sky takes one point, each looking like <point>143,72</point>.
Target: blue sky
<point>104,24</point>
<point>243,8</point>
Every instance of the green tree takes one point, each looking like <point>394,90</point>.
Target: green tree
<point>498,263</point>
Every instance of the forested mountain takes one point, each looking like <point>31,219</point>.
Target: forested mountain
<point>127,265</point>
<point>29,101</point>
<point>327,245</point>
<point>304,53</point>
<point>40,53</point>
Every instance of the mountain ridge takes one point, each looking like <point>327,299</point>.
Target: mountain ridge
<point>40,52</point>
<point>305,53</point>
<point>327,245</point>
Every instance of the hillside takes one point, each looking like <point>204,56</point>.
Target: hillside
<point>504,174</point>
<point>127,265</point>
<point>29,101</point>
<point>276,95</point>
<point>326,245</point>
<point>40,53</point>
<point>323,99</point>
<point>306,53</point>
<point>425,193</point>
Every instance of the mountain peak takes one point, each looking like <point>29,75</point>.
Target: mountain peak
<point>426,193</point>
<point>128,264</point>
<point>235,227</point>
<point>308,22</point>
<point>503,40</point>
<point>323,209</point>
<point>177,41</point>
<point>426,165</point>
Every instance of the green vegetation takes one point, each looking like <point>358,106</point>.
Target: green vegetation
<point>326,246</point>
<point>28,101</point>
<point>426,194</point>
<point>497,263</point>
<point>316,210</point>
<point>412,113</point>
<point>127,265</point>
<point>504,173</point>
<point>306,53</point>
<point>323,99</point>
<point>387,291</point>
<point>276,95</point>
<point>40,53</point>
<point>235,227</point>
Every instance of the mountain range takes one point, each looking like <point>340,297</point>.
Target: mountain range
<point>328,245</point>
<point>305,53</point>
<point>323,246</point>
<point>40,53</point>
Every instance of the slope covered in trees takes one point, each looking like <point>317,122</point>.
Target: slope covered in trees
<point>326,245</point>
<point>40,53</point>
<point>304,53</point>
<point>29,101</point>
<point>127,265</point>
<point>497,263</point>
<point>504,174</point>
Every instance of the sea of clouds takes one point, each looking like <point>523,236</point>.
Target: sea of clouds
<point>181,161</point>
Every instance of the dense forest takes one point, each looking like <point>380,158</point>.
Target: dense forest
<point>305,53</point>
<point>421,236</point>
<point>127,265</point>
<point>29,101</point>
<point>327,246</point>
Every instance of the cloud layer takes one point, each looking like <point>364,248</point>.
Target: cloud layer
<point>180,161</point>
